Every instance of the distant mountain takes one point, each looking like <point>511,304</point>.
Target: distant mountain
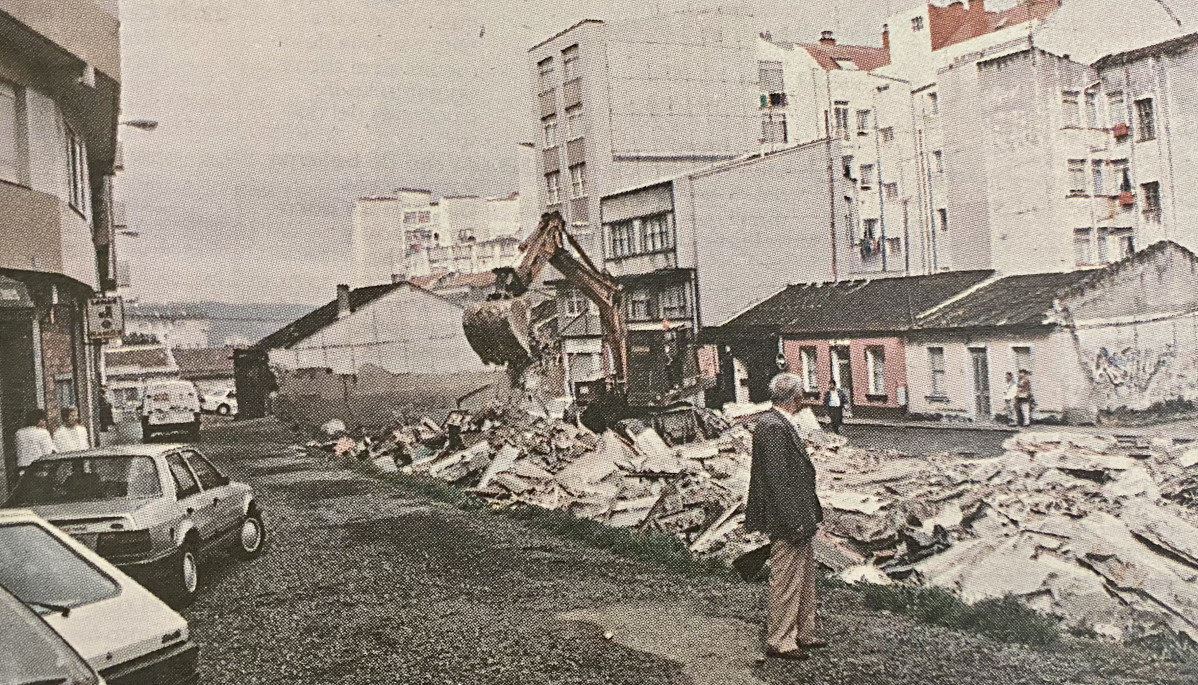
<point>247,323</point>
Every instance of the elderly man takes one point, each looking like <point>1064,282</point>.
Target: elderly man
<point>783,504</point>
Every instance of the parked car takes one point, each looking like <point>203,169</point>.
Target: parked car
<point>122,630</point>
<point>170,406</point>
<point>223,402</point>
<point>34,652</point>
<point>151,510</point>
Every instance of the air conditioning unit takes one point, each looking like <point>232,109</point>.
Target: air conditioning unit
<point>1126,198</point>
<point>1120,130</point>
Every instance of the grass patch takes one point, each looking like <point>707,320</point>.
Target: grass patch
<point>1004,620</point>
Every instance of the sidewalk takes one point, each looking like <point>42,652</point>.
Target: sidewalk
<point>1184,431</point>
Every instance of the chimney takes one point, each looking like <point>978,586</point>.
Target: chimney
<point>825,38</point>
<point>342,301</point>
<point>886,37</point>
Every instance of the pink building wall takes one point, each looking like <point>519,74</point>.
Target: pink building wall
<point>894,367</point>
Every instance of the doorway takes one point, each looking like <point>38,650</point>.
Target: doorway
<point>981,383</point>
<point>842,369</point>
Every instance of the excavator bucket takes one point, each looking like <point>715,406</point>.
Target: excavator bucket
<point>498,330</point>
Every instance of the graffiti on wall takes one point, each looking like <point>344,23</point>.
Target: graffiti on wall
<point>1137,366</point>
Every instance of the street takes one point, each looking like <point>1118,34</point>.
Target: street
<point>364,582</point>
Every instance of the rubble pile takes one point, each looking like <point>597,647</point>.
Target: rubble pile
<point>1099,533</point>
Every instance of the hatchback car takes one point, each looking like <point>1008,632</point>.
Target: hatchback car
<point>34,653</point>
<point>151,510</point>
<point>126,634</point>
<point>223,402</point>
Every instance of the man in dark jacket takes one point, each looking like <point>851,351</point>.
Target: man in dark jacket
<point>784,505</point>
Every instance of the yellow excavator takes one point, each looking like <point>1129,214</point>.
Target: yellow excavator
<point>499,328</point>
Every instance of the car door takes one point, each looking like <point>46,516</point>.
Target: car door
<point>195,503</point>
<point>226,507</point>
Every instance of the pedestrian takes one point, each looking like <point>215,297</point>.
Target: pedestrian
<point>784,505</point>
<point>1009,395</point>
<point>835,400</point>
<point>71,436</point>
<point>1024,398</point>
<point>33,441</point>
<point>106,421</point>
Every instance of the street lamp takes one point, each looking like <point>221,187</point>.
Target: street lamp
<point>143,124</point>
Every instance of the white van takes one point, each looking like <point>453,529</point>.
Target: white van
<point>170,407</point>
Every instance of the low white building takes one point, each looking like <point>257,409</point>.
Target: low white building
<point>175,325</point>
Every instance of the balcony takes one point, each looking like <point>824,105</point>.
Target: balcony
<point>39,232</point>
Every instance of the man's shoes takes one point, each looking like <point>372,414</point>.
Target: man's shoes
<point>814,644</point>
<point>795,655</point>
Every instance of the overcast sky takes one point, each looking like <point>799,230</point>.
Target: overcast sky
<point>275,114</point>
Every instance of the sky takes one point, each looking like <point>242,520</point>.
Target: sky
<point>274,115</point>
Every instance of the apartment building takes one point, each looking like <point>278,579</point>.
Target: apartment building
<point>59,102</point>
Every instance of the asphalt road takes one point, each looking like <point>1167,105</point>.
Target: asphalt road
<point>365,582</point>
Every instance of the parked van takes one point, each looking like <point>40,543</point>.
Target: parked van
<point>170,407</point>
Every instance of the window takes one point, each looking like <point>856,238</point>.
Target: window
<point>936,368</point>
<point>1077,177</point>
<point>639,306</point>
<point>1116,109</point>
<point>847,163</point>
<point>842,120</point>
<point>916,23</point>
<point>64,389</point>
<point>863,121</point>
<point>891,190</point>
<point>1151,194</point>
<point>578,181</point>
<point>545,68</point>
<point>943,214</point>
<point>887,134</point>
<point>809,359</point>
<point>573,303</point>
<point>553,187</point>
<point>1121,173</point>
<point>77,167</point>
<point>570,63</point>
<point>867,176</point>
<point>933,103</point>
<point>1083,252</point>
<point>9,145</point>
<point>1023,359</point>
<point>1096,176</point>
<point>869,229</point>
<point>624,239</point>
<point>658,235</point>
<point>1070,111</point>
<point>1145,120</point>
<point>875,364</point>
<point>574,126</point>
<point>769,75</point>
<point>549,126</point>
<point>208,475</point>
<point>938,156</point>
<point>1116,243</point>
<point>773,127</point>
<point>185,483</point>
<point>674,302</point>
<point>894,247</point>
<point>1092,119</point>
<point>37,567</point>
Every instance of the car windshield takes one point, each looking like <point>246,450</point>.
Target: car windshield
<point>34,652</point>
<point>42,571</point>
<point>87,479</point>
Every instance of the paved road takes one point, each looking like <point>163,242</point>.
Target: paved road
<point>366,582</point>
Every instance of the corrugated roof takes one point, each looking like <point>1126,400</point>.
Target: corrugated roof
<point>204,362</point>
<point>307,325</point>
<point>1011,301</point>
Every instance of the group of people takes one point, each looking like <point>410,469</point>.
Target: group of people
<point>35,441</point>
<point>1019,399</point>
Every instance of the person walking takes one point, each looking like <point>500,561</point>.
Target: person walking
<point>33,441</point>
<point>835,400</point>
<point>71,436</point>
<point>784,505</point>
<point>1024,398</point>
<point>1009,395</point>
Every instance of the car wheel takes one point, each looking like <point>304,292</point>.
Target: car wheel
<point>224,410</point>
<point>252,536</point>
<point>184,576</point>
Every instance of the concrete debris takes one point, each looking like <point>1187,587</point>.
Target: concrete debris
<point>1097,532</point>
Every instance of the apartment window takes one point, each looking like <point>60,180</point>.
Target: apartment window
<point>891,190</point>
<point>64,390</point>
<point>863,121</point>
<point>846,163</point>
<point>939,158</point>
<point>1096,177</point>
<point>9,170</point>
<point>869,230</point>
<point>1151,200</point>
<point>933,103</point>
<point>570,63</point>
<point>574,127</point>
<point>573,303</point>
<point>549,126</point>
<point>867,176</point>
<point>773,127</point>
<point>545,69</point>
<point>887,134</point>
<point>658,235</point>
<point>769,75</point>
<point>639,306</point>
<point>1077,177</point>
<point>1083,247</point>
<point>674,302</point>
<point>624,238</point>
<point>77,167</point>
<point>894,247</point>
<point>875,364</point>
<point>916,23</point>
<point>1116,243</point>
<point>809,359</point>
<point>578,181</point>
<point>842,120</point>
<point>1070,109</point>
<point>1116,109</point>
<point>1121,174</point>
<point>943,214</point>
<point>1092,119</point>
<point>937,371</point>
<point>553,187</point>
<point>1145,120</point>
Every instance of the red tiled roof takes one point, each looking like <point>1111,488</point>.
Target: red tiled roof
<point>425,281</point>
<point>865,57</point>
<point>956,23</point>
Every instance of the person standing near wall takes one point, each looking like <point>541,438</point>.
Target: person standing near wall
<point>1009,395</point>
<point>1024,398</point>
<point>71,436</point>
<point>835,401</point>
<point>784,505</point>
<point>33,441</point>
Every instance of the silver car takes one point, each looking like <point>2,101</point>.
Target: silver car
<point>151,510</point>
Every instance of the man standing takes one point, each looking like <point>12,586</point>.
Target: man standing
<point>71,436</point>
<point>1024,398</point>
<point>835,401</point>
<point>783,504</point>
<point>33,441</point>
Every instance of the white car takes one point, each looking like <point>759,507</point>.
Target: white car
<point>122,630</point>
<point>34,653</point>
<point>223,402</point>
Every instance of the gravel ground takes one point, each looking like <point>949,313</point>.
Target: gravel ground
<point>364,582</point>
